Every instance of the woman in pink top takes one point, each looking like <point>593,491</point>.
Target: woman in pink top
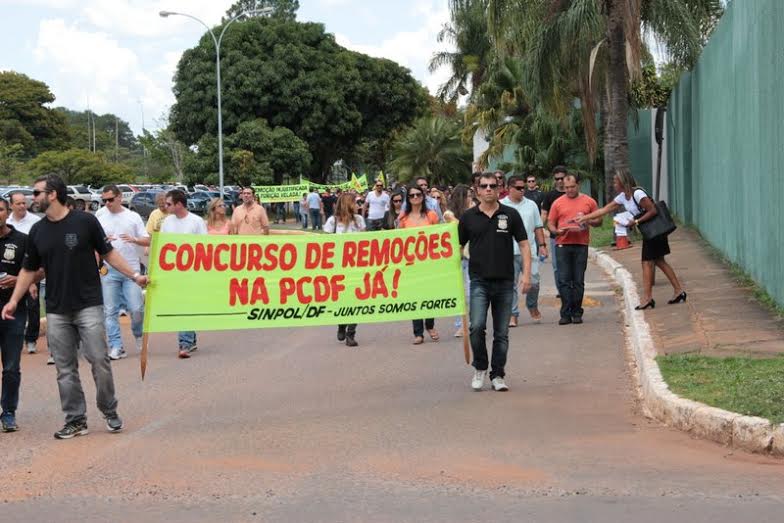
<point>419,216</point>
<point>217,222</point>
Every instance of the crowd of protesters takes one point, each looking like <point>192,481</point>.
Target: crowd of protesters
<point>87,268</point>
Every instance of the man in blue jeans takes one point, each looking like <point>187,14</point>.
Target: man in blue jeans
<point>559,172</point>
<point>491,229</point>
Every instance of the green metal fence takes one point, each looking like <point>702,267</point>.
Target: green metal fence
<point>725,126</point>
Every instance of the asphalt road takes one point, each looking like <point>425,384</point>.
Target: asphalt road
<point>290,425</point>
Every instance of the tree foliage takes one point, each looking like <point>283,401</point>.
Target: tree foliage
<point>79,166</point>
<point>283,9</point>
<point>106,126</point>
<point>432,148</point>
<point>24,117</point>
<point>294,76</point>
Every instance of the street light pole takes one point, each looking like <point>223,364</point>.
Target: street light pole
<point>217,41</point>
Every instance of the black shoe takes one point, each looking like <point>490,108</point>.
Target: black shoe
<point>9,422</point>
<point>650,305</point>
<point>577,319</point>
<point>564,321</point>
<point>351,342</point>
<point>74,428</point>
<point>341,334</point>
<point>679,298</point>
<point>114,423</point>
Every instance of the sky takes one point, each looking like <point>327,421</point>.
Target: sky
<point>119,56</point>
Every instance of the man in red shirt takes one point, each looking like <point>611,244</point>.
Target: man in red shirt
<point>571,248</point>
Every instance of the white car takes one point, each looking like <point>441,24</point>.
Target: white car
<point>83,197</point>
<point>28,194</point>
<point>127,194</point>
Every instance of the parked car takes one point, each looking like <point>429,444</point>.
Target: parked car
<point>209,195</point>
<point>198,201</point>
<point>144,203</point>
<point>83,197</point>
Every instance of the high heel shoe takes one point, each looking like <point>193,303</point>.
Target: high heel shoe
<point>679,298</point>
<point>650,305</point>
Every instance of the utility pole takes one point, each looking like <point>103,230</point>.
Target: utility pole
<point>116,140</point>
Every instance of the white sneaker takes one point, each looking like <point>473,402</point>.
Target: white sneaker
<point>31,347</point>
<point>459,333</point>
<point>139,344</point>
<point>50,361</point>
<point>117,353</point>
<point>479,379</point>
<point>499,385</point>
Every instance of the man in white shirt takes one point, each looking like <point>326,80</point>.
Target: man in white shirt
<point>180,220</point>
<point>534,228</point>
<point>376,204</point>
<point>315,208</point>
<point>125,229</point>
<point>22,221</point>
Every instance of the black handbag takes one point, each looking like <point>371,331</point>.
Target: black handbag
<point>660,225</point>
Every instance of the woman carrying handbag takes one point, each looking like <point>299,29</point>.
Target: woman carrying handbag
<point>637,202</point>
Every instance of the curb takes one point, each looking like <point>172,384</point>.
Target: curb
<point>658,401</point>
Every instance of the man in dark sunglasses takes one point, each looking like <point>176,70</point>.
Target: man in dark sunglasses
<point>559,172</point>
<point>491,229</point>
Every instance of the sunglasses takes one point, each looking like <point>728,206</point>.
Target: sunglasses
<point>37,192</point>
<point>415,195</point>
<point>397,200</point>
<point>108,200</point>
<point>519,187</point>
<point>488,186</point>
<point>557,178</point>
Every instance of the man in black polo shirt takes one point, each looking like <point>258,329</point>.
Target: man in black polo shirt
<point>490,229</point>
<point>64,244</point>
<point>12,249</point>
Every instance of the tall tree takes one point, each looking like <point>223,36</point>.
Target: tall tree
<point>110,131</point>
<point>563,40</point>
<point>295,76</point>
<point>24,117</point>
<point>468,34</point>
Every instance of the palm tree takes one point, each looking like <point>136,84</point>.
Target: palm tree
<point>467,33</point>
<point>586,47</point>
<point>431,148</point>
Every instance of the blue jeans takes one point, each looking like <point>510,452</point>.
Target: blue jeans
<point>186,339</point>
<point>11,339</point>
<point>304,217</point>
<point>532,296</point>
<point>315,218</point>
<point>572,263</point>
<point>119,290</point>
<point>495,294</point>
<point>33,318</point>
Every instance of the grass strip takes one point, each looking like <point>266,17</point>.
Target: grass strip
<point>748,386</point>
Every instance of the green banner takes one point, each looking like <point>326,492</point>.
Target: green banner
<point>280,193</point>
<point>358,184</point>
<point>250,282</point>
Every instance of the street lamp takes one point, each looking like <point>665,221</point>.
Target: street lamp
<point>217,41</point>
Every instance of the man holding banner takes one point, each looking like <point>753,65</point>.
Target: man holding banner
<point>490,229</point>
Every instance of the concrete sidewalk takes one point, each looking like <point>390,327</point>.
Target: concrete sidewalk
<point>720,317</point>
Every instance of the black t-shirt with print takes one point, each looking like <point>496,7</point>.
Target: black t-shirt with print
<point>12,251</point>
<point>490,241</point>
<point>66,250</point>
